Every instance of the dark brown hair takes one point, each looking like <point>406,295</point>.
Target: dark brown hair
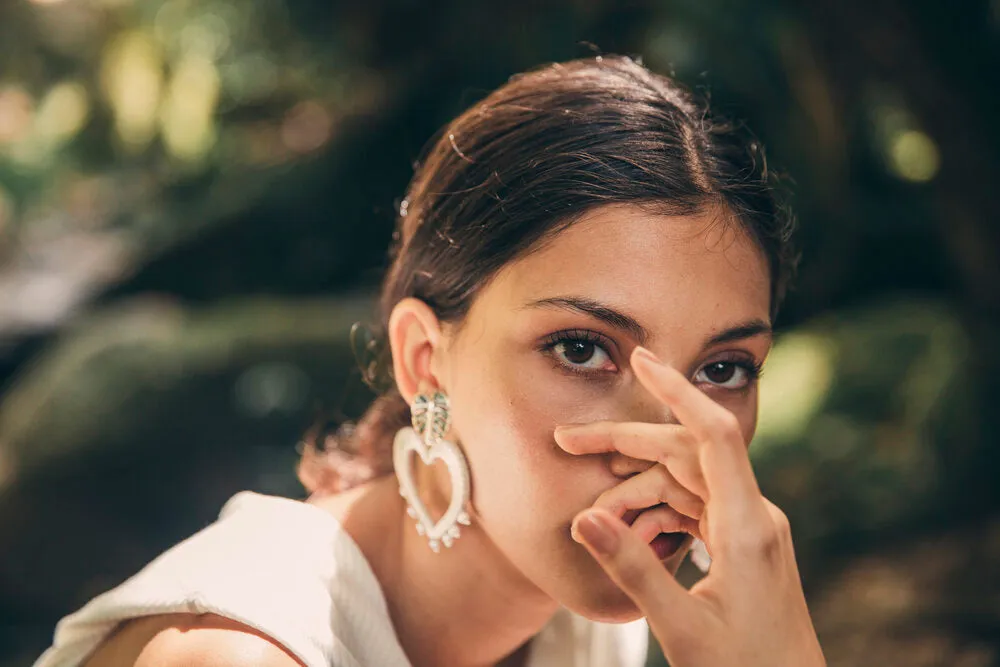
<point>521,165</point>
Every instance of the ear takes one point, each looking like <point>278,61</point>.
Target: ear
<point>414,334</point>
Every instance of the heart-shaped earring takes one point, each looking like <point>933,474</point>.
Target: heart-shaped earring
<point>431,418</point>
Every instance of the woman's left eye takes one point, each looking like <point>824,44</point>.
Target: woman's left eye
<point>727,374</point>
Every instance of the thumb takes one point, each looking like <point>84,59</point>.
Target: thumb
<point>633,566</point>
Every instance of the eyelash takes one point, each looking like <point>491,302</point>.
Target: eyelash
<point>750,366</point>
<point>576,336</point>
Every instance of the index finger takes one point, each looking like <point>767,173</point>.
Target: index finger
<point>640,440</point>
<point>724,459</point>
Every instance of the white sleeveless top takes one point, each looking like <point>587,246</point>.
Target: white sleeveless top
<point>289,570</point>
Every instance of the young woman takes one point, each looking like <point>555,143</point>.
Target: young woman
<point>584,277</point>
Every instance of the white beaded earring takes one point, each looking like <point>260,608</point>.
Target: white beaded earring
<point>431,418</point>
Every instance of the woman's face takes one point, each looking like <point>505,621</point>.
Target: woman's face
<point>547,342</point>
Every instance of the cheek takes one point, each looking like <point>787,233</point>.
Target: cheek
<point>745,411</point>
<point>505,417</point>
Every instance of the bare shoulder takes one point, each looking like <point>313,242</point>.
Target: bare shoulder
<point>196,640</point>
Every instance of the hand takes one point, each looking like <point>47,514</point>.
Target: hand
<point>750,609</point>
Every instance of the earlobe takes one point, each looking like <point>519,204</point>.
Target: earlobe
<point>414,334</point>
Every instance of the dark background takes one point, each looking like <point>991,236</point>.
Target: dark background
<point>196,200</point>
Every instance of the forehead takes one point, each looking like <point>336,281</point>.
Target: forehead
<point>666,271</point>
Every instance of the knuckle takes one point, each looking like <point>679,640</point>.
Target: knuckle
<point>782,525</point>
<point>688,440</point>
<point>769,541</point>
<point>763,542</point>
<point>664,480</point>
<point>781,522</point>
<point>663,457</point>
<point>605,427</point>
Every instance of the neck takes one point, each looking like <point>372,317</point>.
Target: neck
<point>466,606</point>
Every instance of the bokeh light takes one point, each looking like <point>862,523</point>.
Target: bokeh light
<point>793,385</point>
<point>187,115</point>
<point>271,388</point>
<point>306,127</point>
<point>62,113</point>
<point>132,77</point>
<point>907,151</point>
<point>914,156</point>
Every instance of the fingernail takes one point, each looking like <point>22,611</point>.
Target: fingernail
<point>596,532</point>
<point>646,354</point>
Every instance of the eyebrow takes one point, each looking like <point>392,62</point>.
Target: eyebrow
<point>740,332</point>
<point>632,327</point>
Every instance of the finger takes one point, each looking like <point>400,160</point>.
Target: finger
<point>663,519</point>
<point>647,489</point>
<point>669,444</point>
<point>705,418</point>
<point>633,566</point>
<point>640,440</point>
<point>724,459</point>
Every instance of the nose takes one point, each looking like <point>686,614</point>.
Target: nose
<point>644,407</point>
<point>626,466</point>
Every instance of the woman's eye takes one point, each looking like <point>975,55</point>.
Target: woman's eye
<point>582,354</point>
<point>725,374</point>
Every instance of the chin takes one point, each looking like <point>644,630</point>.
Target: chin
<point>597,598</point>
<point>586,590</point>
<point>603,602</point>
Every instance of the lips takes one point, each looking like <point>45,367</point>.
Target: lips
<point>664,545</point>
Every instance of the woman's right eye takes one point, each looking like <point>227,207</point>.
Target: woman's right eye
<point>581,354</point>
